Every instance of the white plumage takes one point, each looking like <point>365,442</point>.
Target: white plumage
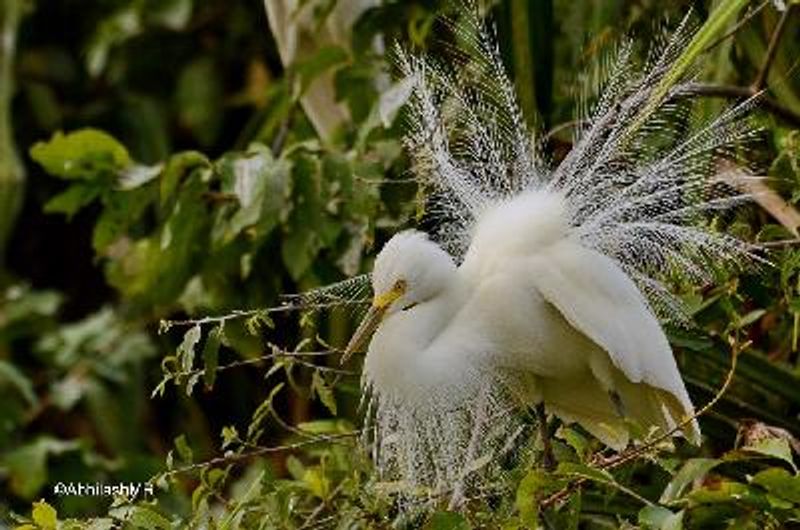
<point>539,285</point>
<point>528,300</point>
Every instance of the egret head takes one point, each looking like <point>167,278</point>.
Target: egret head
<point>409,270</point>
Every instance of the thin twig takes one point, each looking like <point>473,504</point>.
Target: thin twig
<point>165,325</point>
<point>714,91</point>
<point>560,127</point>
<point>780,243</point>
<point>310,520</point>
<point>739,25</point>
<point>230,458</point>
<point>276,354</point>
<point>740,92</point>
<point>772,49</point>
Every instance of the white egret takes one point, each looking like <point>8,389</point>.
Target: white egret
<point>539,286</point>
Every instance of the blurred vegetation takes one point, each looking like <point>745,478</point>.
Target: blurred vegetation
<point>157,162</point>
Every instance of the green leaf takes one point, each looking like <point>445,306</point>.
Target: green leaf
<point>12,375</point>
<point>72,199</point>
<point>728,492</point>
<point>535,485</point>
<point>317,483</point>
<point>447,521</point>
<point>298,249</point>
<point>111,31</point>
<point>302,242</point>
<point>155,269</point>
<point>184,451</point>
<point>121,211</point>
<point>329,426</point>
<point>658,518</point>
<point>295,467</point>
<point>147,519</point>
<point>325,59</point>
<point>44,515</point>
<point>582,470</point>
<point>186,348</point>
<point>198,98</point>
<point>229,435</point>
<point>779,482</point>
<point>693,469</point>
<point>172,14</point>
<point>775,448</point>
<point>324,392</point>
<point>750,317</point>
<point>26,465</point>
<point>82,154</point>
<point>261,185</point>
<point>211,356</point>
<point>579,443</point>
<point>138,175</point>
<point>176,167</point>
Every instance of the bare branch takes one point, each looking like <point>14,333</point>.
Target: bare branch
<point>772,48</point>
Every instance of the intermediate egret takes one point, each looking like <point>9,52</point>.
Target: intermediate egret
<point>539,286</point>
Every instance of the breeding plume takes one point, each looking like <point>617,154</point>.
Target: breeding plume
<point>541,284</point>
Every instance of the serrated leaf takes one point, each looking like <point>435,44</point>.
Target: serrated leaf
<point>187,346</point>
<point>774,447</point>
<point>324,392</point>
<point>81,154</point>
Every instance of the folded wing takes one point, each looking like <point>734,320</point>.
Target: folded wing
<point>596,297</point>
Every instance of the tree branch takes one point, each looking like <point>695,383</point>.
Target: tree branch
<point>740,92</point>
<point>761,79</point>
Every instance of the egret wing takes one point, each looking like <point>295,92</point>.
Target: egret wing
<point>598,298</point>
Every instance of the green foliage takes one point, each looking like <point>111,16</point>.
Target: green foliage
<point>191,176</point>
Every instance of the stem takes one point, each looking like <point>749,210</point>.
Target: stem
<point>728,91</point>
<point>12,172</point>
<point>523,57</point>
<point>715,24</point>
<point>761,79</point>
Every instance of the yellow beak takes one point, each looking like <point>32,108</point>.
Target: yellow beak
<point>373,318</point>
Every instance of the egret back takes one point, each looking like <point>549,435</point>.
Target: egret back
<point>526,240</point>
